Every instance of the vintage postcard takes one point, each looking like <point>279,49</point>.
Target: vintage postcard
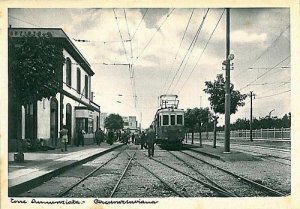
<point>150,104</point>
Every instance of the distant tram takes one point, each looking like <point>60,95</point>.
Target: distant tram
<point>169,122</point>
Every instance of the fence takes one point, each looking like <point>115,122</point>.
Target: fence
<point>272,134</point>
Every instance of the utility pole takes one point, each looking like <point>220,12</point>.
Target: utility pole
<point>227,85</point>
<point>215,117</point>
<point>251,95</point>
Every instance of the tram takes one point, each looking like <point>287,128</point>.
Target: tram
<point>169,122</point>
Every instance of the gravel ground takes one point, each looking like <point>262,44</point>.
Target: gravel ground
<point>269,173</point>
<point>223,179</point>
<point>57,184</point>
<point>138,182</point>
<point>180,182</point>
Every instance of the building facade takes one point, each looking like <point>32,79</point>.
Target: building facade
<point>130,123</point>
<point>72,106</point>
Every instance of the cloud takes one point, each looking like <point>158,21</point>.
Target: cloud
<point>154,16</point>
<point>240,36</point>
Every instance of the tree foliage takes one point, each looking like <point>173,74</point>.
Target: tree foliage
<point>263,122</point>
<point>33,66</point>
<point>196,117</point>
<point>216,90</point>
<point>114,122</point>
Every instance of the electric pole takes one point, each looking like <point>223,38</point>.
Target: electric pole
<point>227,84</point>
<point>251,95</point>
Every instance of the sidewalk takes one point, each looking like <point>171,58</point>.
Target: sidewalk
<point>43,165</point>
<point>218,153</point>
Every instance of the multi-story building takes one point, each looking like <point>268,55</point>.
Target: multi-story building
<point>72,106</point>
<point>130,122</point>
<point>103,116</point>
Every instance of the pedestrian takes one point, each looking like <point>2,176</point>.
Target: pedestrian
<point>143,140</point>
<point>132,138</point>
<point>137,138</point>
<point>99,136</point>
<point>151,137</point>
<point>63,138</point>
<point>81,133</point>
<point>110,137</point>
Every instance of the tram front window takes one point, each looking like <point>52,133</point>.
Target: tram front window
<point>179,119</point>
<point>165,120</point>
<point>172,119</point>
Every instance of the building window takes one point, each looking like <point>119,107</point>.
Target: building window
<point>78,80</point>
<point>80,124</point>
<point>69,72</point>
<point>172,119</point>
<point>165,120</point>
<point>179,119</point>
<point>86,86</point>
<point>90,128</point>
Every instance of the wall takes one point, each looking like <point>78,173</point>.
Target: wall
<point>73,88</point>
<point>43,119</point>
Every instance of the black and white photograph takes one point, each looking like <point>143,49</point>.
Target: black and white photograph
<point>138,105</point>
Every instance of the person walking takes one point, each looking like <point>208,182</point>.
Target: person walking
<point>132,138</point>
<point>151,137</point>
<point>63,138</point>
<point>81,133</point>
<point>143,140</point>
<point>99,136</point>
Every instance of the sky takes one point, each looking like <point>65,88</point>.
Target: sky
<point>159,45</point>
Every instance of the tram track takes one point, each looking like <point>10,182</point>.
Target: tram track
<point>263,155</point>
<point>67,190</point>
<point>266,156</point>
<point>168,186</point>
<point>267,190</point>
<point>215,188</point>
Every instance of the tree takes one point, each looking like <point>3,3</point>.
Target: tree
<point>114,122</point>
<point>33,68</point>
<point>34,63</point>
<point>216,89</point>
<point>195,118</point>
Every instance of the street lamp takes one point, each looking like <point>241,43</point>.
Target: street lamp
<point>271,112</point>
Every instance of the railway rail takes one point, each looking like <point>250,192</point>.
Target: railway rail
<point>172,189</point>
<point>216,188</point>
<point>63,193</point>
<point>268,191</point>
<point>261,154</point>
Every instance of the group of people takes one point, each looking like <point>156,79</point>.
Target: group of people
<point>147,139</point>
<point>99,136</point>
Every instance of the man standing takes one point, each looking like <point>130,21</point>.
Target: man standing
<point>99,136</point>
<point>81,133</point>
<point>64,138</point>
<point>151,137</point>
<point>143,140</point>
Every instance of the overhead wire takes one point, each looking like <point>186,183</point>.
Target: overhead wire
<point>171,68</point>
<point>24,21</point>
<point>184,67</point>
<point>139,25</point>
<point>190,47</point>
<point>116,18</point>
<point>265,51</point>
<point>131,69</point>
<point>158,29</point>
<point>262,97</point>
<point>202,52</point>
<point>265,73</point>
